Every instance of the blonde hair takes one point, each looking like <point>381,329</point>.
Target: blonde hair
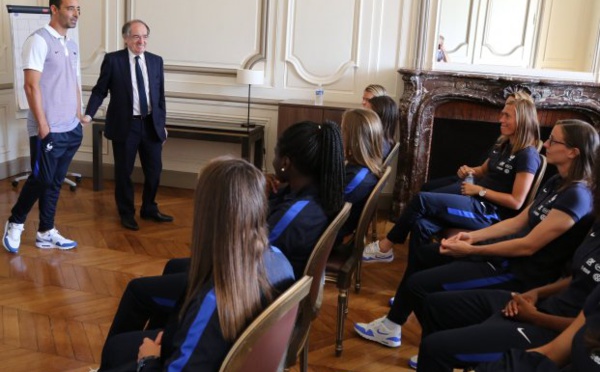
<point>527,132</point>
<point>376,90</point>
<point>229,238</point>
<point>362,134</point>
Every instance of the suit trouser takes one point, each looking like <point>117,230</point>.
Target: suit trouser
<point>464,328</point>
<point>142,139</point>
<point>50,159</point>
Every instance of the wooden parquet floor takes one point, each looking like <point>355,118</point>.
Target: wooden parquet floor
<point>56,306</point>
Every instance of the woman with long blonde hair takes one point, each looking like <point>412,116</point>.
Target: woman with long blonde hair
<point>362,135</point>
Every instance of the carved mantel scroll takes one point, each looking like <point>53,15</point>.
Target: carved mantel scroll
<point>425,90</point>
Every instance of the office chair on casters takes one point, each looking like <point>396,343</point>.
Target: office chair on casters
<point>72,184</point>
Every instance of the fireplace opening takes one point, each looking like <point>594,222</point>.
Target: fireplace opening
<point>456,142</point>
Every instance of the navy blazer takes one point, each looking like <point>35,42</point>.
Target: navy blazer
<point>115,76</point>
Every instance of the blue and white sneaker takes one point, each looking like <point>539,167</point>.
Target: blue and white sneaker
<point>378,332</point>
<point>372,253</point>
<point>392,301</point>
<point>12,236</point>
<point>413,361</point>
<point>53,239</point>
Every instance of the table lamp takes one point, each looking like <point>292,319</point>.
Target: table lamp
<point>249,77</point>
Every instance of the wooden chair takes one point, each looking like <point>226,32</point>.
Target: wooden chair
<point>309,308</point>
<point>345,262</point>
<point>537,181</point>
<point>388,161</point>
<point>261,347</point>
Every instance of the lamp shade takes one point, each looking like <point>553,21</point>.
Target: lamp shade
<point>249,77</point>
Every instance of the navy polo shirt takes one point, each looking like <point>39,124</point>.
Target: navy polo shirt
<point>298,239</point>
<point>546,264</point>
<point>503,168</point>
<point>357,194</point>
<point>195,342</point>
<point>582,357</point>
<point>585,271</point>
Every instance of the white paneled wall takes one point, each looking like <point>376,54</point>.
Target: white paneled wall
<point>342,44</point>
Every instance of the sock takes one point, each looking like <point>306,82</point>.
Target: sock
<point>391,325</point>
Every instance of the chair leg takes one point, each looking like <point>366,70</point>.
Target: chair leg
<point>357,277</point>
<point>374,226</point>
<point>341,316</point>
<point>304,358</point>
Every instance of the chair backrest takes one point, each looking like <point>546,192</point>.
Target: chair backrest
<point>540,145</point>
<point>315,268</point>
<point>392,155</point>
<point>537,181</point>
<point>367,214</point>
<point>342,263</point>
<point>261,347</point>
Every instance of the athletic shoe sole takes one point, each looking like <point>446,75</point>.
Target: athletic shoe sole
<point>50,245</point>
<point>375,259</point>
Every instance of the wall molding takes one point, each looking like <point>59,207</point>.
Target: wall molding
<point>249,62</point>
<point>300,68</point>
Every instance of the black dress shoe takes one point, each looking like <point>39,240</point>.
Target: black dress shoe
<point>157,217</point>
<point>129,222</point>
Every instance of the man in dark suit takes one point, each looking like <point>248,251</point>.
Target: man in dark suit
<point>135,119</point>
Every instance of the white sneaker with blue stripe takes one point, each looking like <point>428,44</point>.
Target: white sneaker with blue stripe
<point>413,361</point>
<point>12,236</point>
<point>53,239</point>
<point>372,253</point>
<point>377,331</point>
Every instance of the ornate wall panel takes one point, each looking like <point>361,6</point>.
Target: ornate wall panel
<point>456,25</point>
<point>322,40</point>
<point>205,36</point>
<point>502,44</point>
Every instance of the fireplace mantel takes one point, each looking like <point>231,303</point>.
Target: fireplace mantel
<point>424,91</point>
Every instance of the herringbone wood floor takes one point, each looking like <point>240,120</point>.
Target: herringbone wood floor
<point>56,306</point>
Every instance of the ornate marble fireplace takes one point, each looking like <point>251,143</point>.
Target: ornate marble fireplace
<point>432,94</point>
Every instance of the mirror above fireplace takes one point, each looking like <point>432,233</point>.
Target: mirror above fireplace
<point>553,39</point>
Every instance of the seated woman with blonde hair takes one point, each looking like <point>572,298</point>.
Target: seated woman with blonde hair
<point>372,90</point>
<point>362,135</point>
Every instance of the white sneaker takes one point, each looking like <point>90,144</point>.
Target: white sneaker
<point>12,236</point>
<point>413,361</point>
<point>372,253</point>
<point>53,239</point>
<point>378,332</point>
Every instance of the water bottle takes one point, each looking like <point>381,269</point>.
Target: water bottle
<point>469,178</point>
<point>319,95</point>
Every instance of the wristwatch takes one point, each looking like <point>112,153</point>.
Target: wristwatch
<point>482,192</point>
<point>142,362</point>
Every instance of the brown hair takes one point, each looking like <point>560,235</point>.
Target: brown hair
<point>229,237</point>
<point>583,136</point>
<point>386,108</point>
<point>363,139</point>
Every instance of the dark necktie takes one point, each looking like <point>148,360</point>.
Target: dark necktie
<point>141,89</point>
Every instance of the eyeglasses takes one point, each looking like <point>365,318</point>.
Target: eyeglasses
<point>552,141</point>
